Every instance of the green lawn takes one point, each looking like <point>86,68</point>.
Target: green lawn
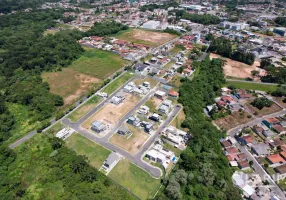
<point>251,86</point>
<point>23,121</point>
<point>95,153</point>
<point>118,82</point>
<point>98,63</point>
<point>55,128</point>
<point>83,109</point>
<point>135,179</point>
<point>172,148</point>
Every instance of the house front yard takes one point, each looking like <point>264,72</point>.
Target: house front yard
<point>135,179</point>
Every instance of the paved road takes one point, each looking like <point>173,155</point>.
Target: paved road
<point>257,167</point>
<point>137,158</point>
<point>23,139</point>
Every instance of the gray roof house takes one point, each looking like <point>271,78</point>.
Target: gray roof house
<point>123,130</point>
<point>98,126</point>
<point>260,149</point>
<point>111,161</point>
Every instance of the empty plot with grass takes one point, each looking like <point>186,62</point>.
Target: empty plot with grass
<point>114,85</point>
<point>132,143</point>
<point>95,153</point>
<point>98,63</point>
<point>179,119</point>
<point>84,109</point>
<point>138,181</point>
<point>151,80</point>
<point>252,86</point>
<point>69,83</point>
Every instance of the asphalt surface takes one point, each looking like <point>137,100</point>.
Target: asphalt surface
<point>257,167</point>
<point>136,158</point>
<point>23,139</point>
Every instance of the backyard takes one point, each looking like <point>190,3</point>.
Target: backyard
<point>95,153</point>
<point>135,179</point>
<point>118,82</point>
<point>85,108</point>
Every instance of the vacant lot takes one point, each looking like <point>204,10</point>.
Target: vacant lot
<point>252,86</point>
<point>264,111</point>
<point>135,179</point>
<point>69,83</point>
<point>149,38</point>
<point>280,101</point>
<point>237,69</point>
<point>236,118</point>
<point>98,63</point>
<point>176,81</point>
<point>118,82</point>
<point>95,153</point>
<point>153,103</point>
<point>152,81</point>
<point>85,108</point>
<point>110,114</point>
<point>133,143</point>
<point>177,122</point>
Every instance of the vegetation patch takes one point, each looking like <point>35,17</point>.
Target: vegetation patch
<point>251,86</point>
<point>265,110</point>
<point>98,63</point>
<point>84,109</point>
<point>135,179</point>
<point>118,82</point>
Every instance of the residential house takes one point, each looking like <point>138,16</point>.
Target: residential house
<point>243,165</point>
<point>226,99</point>
<point>160,94</point>
<point>149,127</point>
<point>273,121</point>
<point>225,143</point>
<point>173,94</point>
<point>167,103</point>
<point>279,129</point>
<point>241,157</point>
<point>111,161</point>
<point>98,126</point>
<point>260,149</point>
<point>155,117</point>
<point>232,150</point>
<point>64,133</point>
<point>283,154</point>
<point>164,109</point>
<point>268,133</point>
<point>123,130</point>
<point>275,158</point>
<point>281,169</point>
<point>133,120</point>
<point>246,139</point>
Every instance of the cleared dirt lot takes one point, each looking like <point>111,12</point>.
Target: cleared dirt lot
<point>236,118</point>
<point>237,69</point>
<point>69,83</point>
<point>145,37</point>
<point>264,111</point>
<point>133,143</point>
<point>110,114</point>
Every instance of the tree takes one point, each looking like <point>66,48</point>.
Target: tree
<point>254,73</point>
<point>181,176</point>
<point>261,102</point>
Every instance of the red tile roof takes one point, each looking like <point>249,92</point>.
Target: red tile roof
<point>226,98</point>
<point>232,150</point>
<point>248,138</point>
<point>221,103</point>
<point>272,120</point>
<point>226,143</point>
<point>243,164</point>
<point>275,158</point>
<point>173,93</point>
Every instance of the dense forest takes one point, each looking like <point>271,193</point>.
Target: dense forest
<point>25,52</point>
<point>274,74</point>
<point>223,47</point>
<point>281,21</point>
<point>203,171</point>
<point>153,6</point>
<point>205,19</point>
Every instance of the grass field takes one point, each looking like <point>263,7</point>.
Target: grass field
<point>139,36</point>
<point>176,81</point>
<point>177,122</point>
<point>69,83</point>
<point>23,121</point>
<point>251,86</point>
<point>118,82</point>
<point>151,80</point>
<point>46,32</point>
<point>98,63</point>
<point>172,148</point>
<point>85,108</point>
<point>95,153</point>
<point>135,179</point>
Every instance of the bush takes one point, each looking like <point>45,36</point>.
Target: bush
<point>261,102</point>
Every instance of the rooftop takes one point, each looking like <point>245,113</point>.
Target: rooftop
<point>275,158</point>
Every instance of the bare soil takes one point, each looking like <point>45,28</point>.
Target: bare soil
<point>69,83</point>
<point>110,114</point>
<point>237,69</point>
<point>236,118</point>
